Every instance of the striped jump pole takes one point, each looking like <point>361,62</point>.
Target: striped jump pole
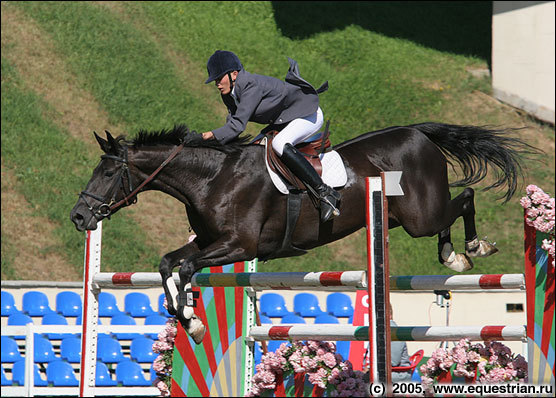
<point>341,280</point>
<point>399,333</point>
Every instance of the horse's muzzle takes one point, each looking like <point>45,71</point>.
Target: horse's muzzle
<point>82,218</point>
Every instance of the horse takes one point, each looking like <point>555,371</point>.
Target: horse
<point>238,215</point>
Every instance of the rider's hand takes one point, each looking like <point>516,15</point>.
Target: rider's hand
<point>208,135</point>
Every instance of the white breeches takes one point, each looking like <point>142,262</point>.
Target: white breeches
<point>298,130</point>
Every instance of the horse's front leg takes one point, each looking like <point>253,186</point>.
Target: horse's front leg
<point>167,264</point>
<point>218,253</point>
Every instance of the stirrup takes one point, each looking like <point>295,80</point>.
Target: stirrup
<point>328,203</point>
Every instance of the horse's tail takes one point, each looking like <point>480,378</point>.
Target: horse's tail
<point>475,148</point>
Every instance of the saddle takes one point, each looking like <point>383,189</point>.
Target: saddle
<point>311,150</point>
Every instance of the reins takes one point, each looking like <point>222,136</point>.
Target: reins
<point>105,209</point>
<point>149,178</point>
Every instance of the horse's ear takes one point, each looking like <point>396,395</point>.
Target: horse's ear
<point>102,142</point>
<point>113,144</point>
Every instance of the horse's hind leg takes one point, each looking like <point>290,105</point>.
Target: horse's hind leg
<point>463,205</point>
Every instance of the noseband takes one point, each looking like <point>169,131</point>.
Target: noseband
<point>106,209</point>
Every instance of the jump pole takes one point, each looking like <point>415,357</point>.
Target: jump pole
<point>378,274</point>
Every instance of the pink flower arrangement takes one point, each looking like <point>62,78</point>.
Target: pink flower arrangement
<point>492,363</point>
<point>318,360</point>
<point>162,365</point>
<point>539,213</point>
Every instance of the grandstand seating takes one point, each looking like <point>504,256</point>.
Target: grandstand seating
<point>273,305</point>
<point>18,374</point>
<point>44,352</point>
<point>292,318</point>
<point>141,349</point>
<point>8,304</point>
<point>55,319</point>
<point>306,305</point>
<point>56,360</point>
<point>123,319</point>
<point>70,349</point>
<point>69,304</point>
<point>129,373</point>
<point>36,303</point>
<point>103,377</point>
<point>107,305</point>
<point>60,374</point>
<point>138,305</point>
<point>19,318</point>
<point>326,318</point>
<point>109,350</point>
<point>339,305</point>
<point>10,350</point>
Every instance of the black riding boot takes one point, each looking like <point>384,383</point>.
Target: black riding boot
<point>328,197</point>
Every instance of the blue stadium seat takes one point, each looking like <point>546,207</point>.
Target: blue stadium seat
<point>5,380</point>
<point>161,309</point>
<point>129,373</point>
<point>265,320</point>
<point>109,350</point>
<point>107,305</point>
<point>292,318</point>
<point>55,319</point>
<point>44,352</point>
<point>123,319</point>
<point>36,303</point>
<point>339,305</point>
<point>18,374</point>
<point>8,304</point>
<point>273,305</point>
<point>326,318</point>
<point>19,318</point>
<point>152,373</point>
<point>342,348</point>
<point>69,304</point>
<point>138,305</point>
<point>70,349</point>
<point>10,350</point>
<point>60,374</point>
<point>103,377</point>
<point>273,345</point>
<point>306,305</point>
<point>141,350</point>
<point>155,319</point>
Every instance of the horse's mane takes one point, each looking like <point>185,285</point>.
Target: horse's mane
<point>180,133</point>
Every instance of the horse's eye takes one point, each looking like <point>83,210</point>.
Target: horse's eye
<point>108,173</point>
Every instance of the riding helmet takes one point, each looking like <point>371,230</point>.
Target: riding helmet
<point>220,63</point>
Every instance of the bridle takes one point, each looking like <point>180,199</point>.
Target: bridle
<point>106,209</point>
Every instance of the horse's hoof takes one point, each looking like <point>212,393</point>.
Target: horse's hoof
<point>459,263</point>
<point>196,329</point>
<point>480,248</point>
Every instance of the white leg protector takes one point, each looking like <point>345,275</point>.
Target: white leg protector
<point>456,262</point>
<point>171,285</point>
<point>480,248</point>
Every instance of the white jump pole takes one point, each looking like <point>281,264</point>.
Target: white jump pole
<point>89,320</point>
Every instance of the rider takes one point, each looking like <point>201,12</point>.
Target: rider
<point>292,107</point>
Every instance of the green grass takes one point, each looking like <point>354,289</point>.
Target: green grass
<point>51,168</point>
<point>382,72</point>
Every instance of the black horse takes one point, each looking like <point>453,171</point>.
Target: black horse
<point>237,213</point>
